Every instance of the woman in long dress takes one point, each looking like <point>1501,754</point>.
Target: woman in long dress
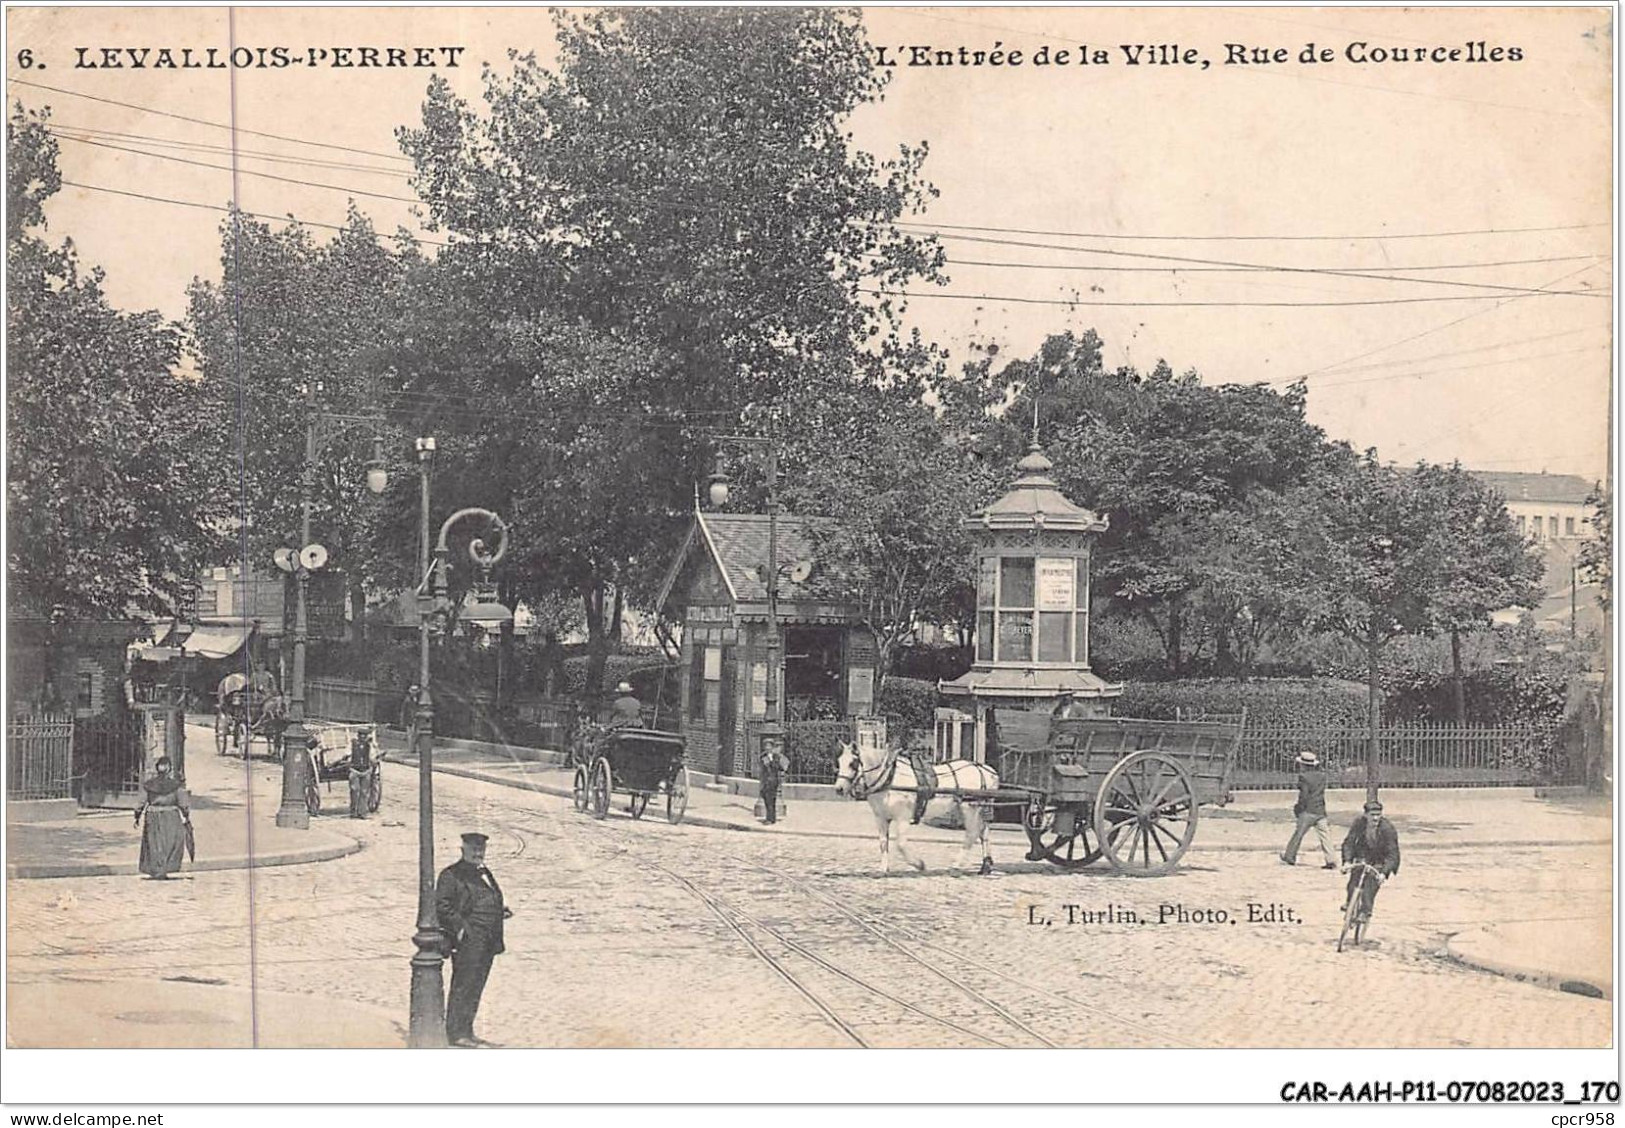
<point>163,839</point>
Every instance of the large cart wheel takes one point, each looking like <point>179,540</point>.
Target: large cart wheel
<point>677,797</point>
<point>1072,850</point>
<point>598,792</point>
<point>578,788</point>
<point>640,803</point>
<point>1145,814</point>
<point>375,789</point>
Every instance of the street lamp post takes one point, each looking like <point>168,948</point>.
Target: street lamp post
<point>292,812</point>
<point>427,1024</point>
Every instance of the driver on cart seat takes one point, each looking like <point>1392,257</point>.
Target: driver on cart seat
<point>627,711</point>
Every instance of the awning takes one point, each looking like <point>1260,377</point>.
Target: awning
<point>216,642</point>
<point>1005,681</point>
<point>156,653</point>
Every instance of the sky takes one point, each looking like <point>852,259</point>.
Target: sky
<point>1140,201</point>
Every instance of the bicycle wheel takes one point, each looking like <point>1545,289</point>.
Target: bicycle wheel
<point>1350,917</point>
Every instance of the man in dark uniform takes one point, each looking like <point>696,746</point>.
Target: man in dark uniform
<point>1372,840</point>
<point>469,903</point>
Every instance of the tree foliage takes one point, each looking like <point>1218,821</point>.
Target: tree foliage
<point>292,314</point>
<point>1597,554</point>
<point>1189,474</point>
<point>116,486</point>
<point>661,241</point>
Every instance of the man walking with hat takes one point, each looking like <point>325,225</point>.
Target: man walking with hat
<point>469,904</point>
<point>1310,811</point>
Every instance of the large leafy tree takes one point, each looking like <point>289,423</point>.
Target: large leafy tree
<point>1487,566</point>
<point>117,480</point>
<point>669,230</point>
<point>1183,469</point>
<point>896,495</point>
<point>300,333</point>
<point>1374,553</point>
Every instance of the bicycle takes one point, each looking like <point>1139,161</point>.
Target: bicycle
<point>1352,917</point>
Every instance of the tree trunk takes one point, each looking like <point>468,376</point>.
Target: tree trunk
<point>597,642</point>
<point>1175,642</point>
<point>1224,656</point>
<point>358,608</point>
<point>1373,709</point>
<point>615,619</point>
<point>1456,686</point>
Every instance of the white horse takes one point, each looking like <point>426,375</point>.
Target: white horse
<point>887,780</point>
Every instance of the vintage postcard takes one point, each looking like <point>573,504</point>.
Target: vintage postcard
<point>797,528</point>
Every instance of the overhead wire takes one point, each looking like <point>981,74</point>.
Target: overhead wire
<point>229,127</point>
<point>1299,237</point>
<point>1339,238</point>
<point>1080,302</point>
<point>251,215</point>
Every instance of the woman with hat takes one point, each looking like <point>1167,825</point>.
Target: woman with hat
<point>163,839</point>
<point>627,711</point>
<point>1310,811</point>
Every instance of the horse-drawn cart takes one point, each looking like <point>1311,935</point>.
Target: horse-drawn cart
<point>1124,787</point>
<point>331,755</point>
<point>640,763</point>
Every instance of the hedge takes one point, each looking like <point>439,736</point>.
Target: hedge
<point>1498,695</point>
<point>1281,701</point>
<point>910,702</point>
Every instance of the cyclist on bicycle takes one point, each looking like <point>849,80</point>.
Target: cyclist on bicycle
<point>1372,840</point>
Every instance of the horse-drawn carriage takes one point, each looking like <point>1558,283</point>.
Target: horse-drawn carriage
<point>248,708</point>
<point>637,762</point>
<point>1125,788</point>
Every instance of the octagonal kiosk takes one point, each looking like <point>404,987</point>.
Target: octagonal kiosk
<point>1032,621</point>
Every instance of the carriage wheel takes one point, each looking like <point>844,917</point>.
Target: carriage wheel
<point>375,790</point>
<point>603,782</point>
<point>313,792</point>
<point>1072,851</point>
<point>677,797</point>
<point>640,803</point>
<point>578,788</point>
<point>1145,814</point>
<point>222,733</point>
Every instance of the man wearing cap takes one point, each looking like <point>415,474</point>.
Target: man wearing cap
<point>1372,840</point>
<point>1310,811</point>
<point>469,904</point>
<point>627,711</point>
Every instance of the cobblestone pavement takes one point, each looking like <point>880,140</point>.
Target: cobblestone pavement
<point>641,934</point>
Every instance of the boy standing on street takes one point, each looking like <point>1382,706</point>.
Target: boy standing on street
<point>1310,810</point>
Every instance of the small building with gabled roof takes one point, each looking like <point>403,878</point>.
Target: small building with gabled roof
<point>716,587</point>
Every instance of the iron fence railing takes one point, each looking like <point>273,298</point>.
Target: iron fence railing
<point>811,747</point>
<point>39,757</point>
<point>1415,755</point>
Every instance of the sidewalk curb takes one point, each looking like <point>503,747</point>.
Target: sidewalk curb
<point>343,848</point>
<point>1572,985</point>
<point>721,824</point>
